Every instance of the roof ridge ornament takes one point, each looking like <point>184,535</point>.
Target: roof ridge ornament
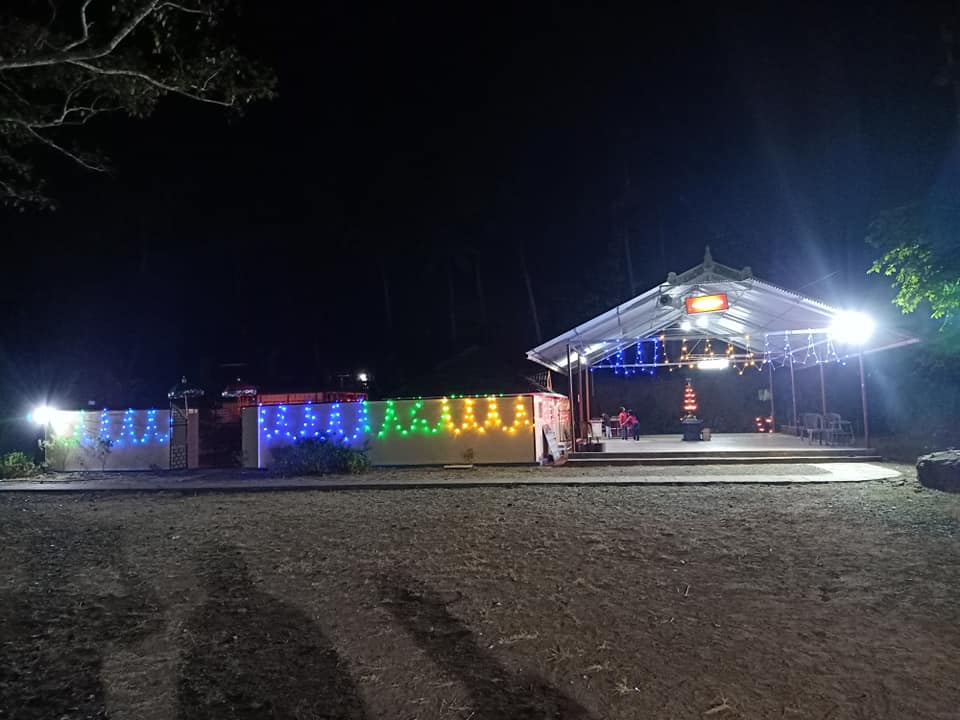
<point>709,271</point>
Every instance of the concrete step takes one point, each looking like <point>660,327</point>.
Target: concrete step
<point>814,451</point>
<point>609,459</point>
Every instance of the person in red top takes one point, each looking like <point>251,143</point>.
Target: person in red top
<point>634,424</point>
<point>624,419</point>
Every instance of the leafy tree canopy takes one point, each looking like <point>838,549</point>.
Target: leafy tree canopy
<point>921,252</point>
<point>64,63</point>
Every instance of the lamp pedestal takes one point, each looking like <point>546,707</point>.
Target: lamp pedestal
<point>691,428</point>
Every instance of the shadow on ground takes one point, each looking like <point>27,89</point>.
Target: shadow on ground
<point>495,691</point>
<point>75,598</point>
<point>248,655</point>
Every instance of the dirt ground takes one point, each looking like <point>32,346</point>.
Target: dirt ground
<point>740,601</point>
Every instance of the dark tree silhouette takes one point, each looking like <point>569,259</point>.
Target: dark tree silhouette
<point>65,63</point>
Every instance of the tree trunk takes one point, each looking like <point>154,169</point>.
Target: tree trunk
<point>629,257</point>
<point>956,100</point>
<point>950,40</point>
<point>533,302</point>
<point>663,245</point>
<point>481,298</point>
<point>387,306</point>
<point>453,305</point>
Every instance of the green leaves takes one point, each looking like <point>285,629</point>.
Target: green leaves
<point>921,252</point>
<point>16,465</point>
<point>320,456</point>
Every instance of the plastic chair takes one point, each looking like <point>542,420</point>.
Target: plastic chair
<point>813,427</point>
<point>837,430</point>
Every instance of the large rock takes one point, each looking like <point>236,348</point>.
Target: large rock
<point>940,470</point>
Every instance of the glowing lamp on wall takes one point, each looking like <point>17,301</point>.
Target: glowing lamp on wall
<point>851,327</point>
<point>43,415</point>
<point>706,303</point>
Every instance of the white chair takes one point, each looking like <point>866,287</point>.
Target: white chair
<point>812,427</point>
<point>837,431</point>
<point>596,428</point>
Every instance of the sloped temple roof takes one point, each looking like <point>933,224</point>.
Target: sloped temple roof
<point>761,318</point>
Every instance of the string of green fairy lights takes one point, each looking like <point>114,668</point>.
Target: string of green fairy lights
<point>468,418</point>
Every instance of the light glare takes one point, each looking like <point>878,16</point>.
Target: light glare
<point>714,363</point>
<point>852,327</point>
<point>42,415</point>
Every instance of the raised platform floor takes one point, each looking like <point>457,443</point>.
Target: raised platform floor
<point>722,448</point>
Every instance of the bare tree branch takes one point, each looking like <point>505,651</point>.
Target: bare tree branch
<point>13,92</point>
<point>59,148</point>
<point>70,96</point>
<point>84,24</point>
<point>52,77</point>
<point>149,80</point>
<point>59,58</point>
<point>89,113</point>
<point>12,192</point>
<point>203,87</point>
<point>193,11</point>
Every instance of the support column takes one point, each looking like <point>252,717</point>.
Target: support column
<point>863,400</point>
<point>773,409</point>
<point>793,392</point>
<point>580,405</point>
<point>823,392</point>
<point>586,377</point>
<point>573,422</point>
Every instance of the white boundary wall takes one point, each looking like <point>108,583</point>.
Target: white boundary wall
<point>139,440</point>
<point>493,429</point>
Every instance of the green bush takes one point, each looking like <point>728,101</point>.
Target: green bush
<point>56,451</point>
<point>320,456</point>
<point>17,465</point>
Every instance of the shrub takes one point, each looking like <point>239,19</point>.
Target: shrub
<point>320,456</point>
<point>57,450</point>
<point>17,465</point>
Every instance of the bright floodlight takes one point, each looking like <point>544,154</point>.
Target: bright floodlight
<point>685,325</point>
<point>714,363</point>
<point>42,415</point>
<point>852,327</point>
<point>363,377</point>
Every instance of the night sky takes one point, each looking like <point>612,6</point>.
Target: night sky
<point>442,146</point>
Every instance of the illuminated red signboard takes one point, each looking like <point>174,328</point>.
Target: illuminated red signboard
<point>707,303</point>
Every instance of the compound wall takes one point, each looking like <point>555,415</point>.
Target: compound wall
<point>115,440</point>
<point>492,429</point>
